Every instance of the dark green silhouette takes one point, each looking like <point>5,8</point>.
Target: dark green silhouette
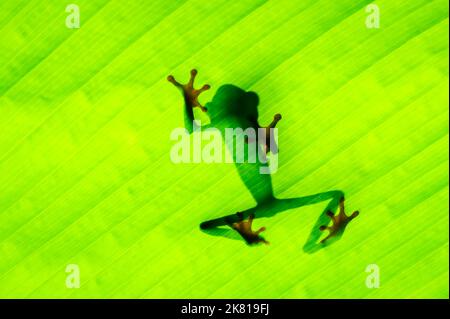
<point>233,107</point>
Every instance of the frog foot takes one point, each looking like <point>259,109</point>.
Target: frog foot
<point>339,221</point>
<point>244,228</point>
<point>190,94</point>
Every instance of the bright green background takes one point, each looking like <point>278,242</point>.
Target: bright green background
<point>85,173</point>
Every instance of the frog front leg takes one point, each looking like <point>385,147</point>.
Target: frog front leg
<point>267,140</point>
